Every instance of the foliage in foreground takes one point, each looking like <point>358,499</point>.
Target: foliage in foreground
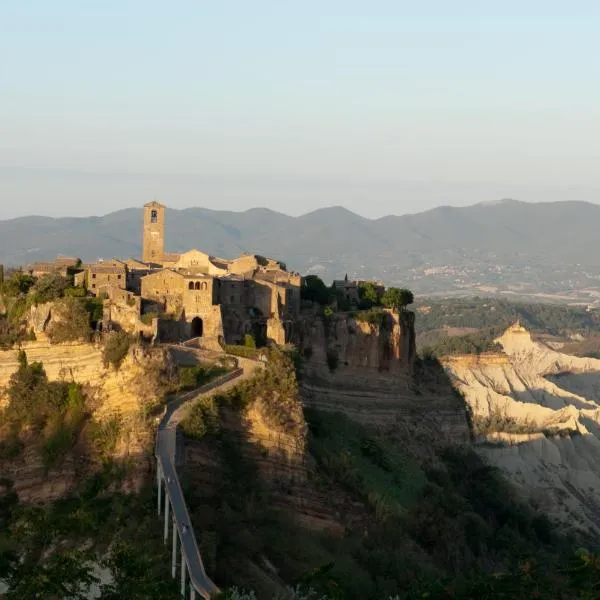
<point>45,552</point>
<point>50,414</point>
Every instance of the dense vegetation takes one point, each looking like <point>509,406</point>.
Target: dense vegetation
<point>49,415</point>
<point>76,314</point>
<point>315,290</point>
<point>470,325</point>
<point>52,552</point>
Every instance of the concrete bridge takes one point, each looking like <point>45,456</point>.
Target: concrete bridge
<point>171,501</point>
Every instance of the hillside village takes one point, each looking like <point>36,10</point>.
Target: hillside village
<point>172,297</point>
<point>194,294</point>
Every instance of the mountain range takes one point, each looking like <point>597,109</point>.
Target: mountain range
<point>507,245</point>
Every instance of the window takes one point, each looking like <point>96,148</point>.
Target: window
<point>197,286</point>
<point>93,285</point>
<point>191,285</point>
<point>154,216</point>
<point>93,275</point>
<point>118,276</point>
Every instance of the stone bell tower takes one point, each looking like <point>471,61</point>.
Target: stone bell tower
<point>154,232</point>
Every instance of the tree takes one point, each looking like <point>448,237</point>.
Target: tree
<point>397,298</point>
<point>49,288</point>
<point>368,295</point>
<point>18,283</point>
<point>73,322</point>
<point>315,290</point>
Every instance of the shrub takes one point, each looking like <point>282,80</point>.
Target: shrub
<point>193,377</point>
<point>72,322</point>
<point>116,348</point>
<point>374,316</point>
<point>249,341</point>
<point>105,436</point>
<point>147,318</point>
<point>203,418</point>
<point>49,288</point>
<point>75,292</point>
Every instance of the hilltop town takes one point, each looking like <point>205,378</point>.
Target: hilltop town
<point>173,297</point>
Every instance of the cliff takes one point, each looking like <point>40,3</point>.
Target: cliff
<point>536,415</point>
<point>344,350</point>
<point>125,396</point>
<point>369,371</point>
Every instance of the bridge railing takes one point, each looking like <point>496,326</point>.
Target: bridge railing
<point>199,580</point>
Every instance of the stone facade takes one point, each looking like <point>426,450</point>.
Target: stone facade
<point>201,295</point>
<point>153,247</point>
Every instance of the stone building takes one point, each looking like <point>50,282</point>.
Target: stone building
<point>211,296</point>
<point>101,274</point>
<point>61,265</point>
<point>348,288</point>
<point>153,240</point>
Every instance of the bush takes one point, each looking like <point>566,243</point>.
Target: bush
<point>105,436</point>
<point>147,318</point>
<point>314,290</point>
<point>374,316</point>
<point>72,322</point>
<point>116,348</point>
<point>48,288</point>
<point>249,341</point>
<point>193,377</point>
<point>203,418</point>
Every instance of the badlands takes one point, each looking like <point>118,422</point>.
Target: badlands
<point>536,416</point>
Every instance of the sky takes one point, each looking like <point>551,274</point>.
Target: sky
<point>384,107</point>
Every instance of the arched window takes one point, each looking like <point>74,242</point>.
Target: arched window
<point>204,285</point>
<point>197,285</point>
<point>191,285</point>
<point>154,216</point>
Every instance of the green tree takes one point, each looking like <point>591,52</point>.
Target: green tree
<point>18,283</point>
<point>368,295</point>
<point>72,323</point>
<point>315,290</point>
<point>397,298</point>
<point>49,288</point>
<point>116,347</point>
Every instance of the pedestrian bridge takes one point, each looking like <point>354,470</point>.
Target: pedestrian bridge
<point>171,502</point>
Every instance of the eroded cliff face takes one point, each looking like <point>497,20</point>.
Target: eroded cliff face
<point>368,371</point>
<point>536,413</point>
<point>125,396</point>
<point>342,349</point>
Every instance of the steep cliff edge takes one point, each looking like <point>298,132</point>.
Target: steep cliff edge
<point>119,402</point>
<point>367,368</point>
<point>536,415</point>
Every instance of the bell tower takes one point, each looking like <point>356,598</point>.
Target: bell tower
<point>153,245</point>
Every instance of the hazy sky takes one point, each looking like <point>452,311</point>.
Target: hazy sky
<point>381,106</point>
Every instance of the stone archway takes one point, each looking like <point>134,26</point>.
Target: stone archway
<point>197,327</point>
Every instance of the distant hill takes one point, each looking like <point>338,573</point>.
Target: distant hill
<point>509,245</point>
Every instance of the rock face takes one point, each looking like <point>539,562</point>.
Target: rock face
<point>537,415</point>
<point>123,395</point>
<point>368,372</point>
<point>345,351</point>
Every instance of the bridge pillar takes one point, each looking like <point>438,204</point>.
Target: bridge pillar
<point>166,517</point>
<point>174,558</point>
<point>159,484</point>
<point>183,569</point>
